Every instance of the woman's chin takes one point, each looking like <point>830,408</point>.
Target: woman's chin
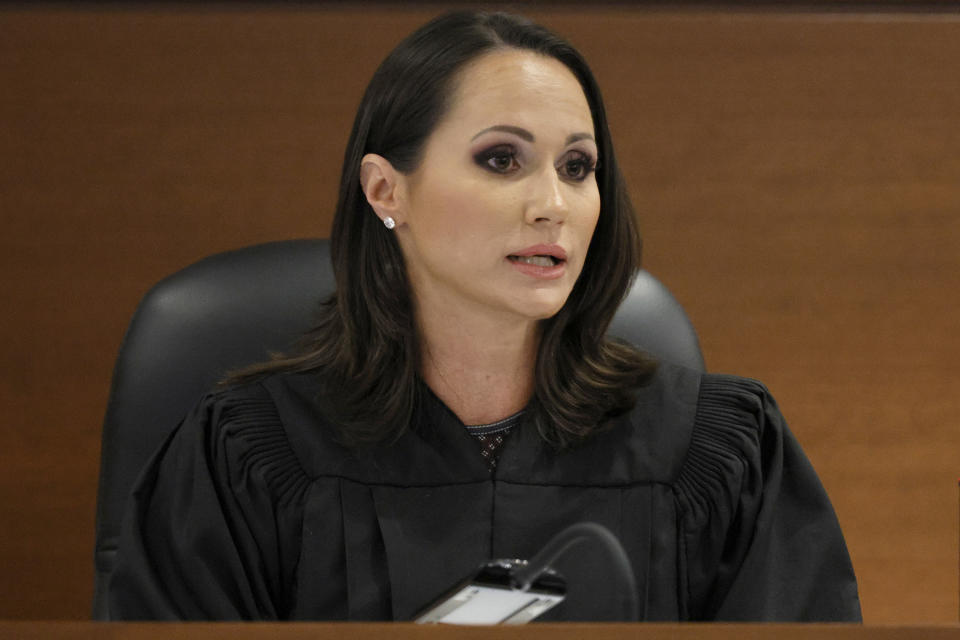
<point>535,308</point>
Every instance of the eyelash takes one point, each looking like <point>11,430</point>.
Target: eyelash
<point>505,151</point>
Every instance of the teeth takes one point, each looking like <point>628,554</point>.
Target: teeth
<point>538,261</point>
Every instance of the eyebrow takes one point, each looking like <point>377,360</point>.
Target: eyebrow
<point>520,132</point>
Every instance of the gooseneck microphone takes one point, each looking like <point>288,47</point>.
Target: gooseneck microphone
<point>517,591</point>
<point>600,537</point>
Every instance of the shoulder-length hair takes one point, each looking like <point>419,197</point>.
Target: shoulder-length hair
<point>365,349</point>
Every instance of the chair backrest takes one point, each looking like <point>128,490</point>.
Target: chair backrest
<point>234,308</point>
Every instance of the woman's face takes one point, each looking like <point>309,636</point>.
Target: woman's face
<point>499,214</point>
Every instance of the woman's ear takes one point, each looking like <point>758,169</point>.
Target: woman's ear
<point>381,184</point>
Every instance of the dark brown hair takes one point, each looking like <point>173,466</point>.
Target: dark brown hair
<point>365,349</point>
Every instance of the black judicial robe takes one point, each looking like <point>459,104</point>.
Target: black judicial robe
<point>251,510</point>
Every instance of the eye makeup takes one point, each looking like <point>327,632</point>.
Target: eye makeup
<point>577,165</point>
<point>500,158</point>
<point>505,158</point>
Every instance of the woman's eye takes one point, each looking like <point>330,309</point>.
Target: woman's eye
<point>501,159</point>
<point>577,166</point>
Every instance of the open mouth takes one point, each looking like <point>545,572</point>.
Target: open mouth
<point>537,261</point>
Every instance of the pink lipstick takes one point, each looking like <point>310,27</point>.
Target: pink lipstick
<point>542,261</point>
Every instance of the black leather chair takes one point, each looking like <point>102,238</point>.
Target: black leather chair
<point>232,309</point>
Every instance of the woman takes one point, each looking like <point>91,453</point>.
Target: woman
<point>459,401</point>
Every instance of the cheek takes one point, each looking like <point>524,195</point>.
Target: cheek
<point>467,212</point>
<point>438,210</point>
<point>589,210</point>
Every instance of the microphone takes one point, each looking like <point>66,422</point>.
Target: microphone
<point>517,591</point>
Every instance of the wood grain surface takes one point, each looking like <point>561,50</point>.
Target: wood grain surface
<point>797,177</point>
<point>62,630</point>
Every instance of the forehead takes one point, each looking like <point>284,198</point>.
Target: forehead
<point>523,88</point>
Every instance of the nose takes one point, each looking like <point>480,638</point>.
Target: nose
<point>547,203</point>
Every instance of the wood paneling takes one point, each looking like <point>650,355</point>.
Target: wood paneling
<point>796,175</point>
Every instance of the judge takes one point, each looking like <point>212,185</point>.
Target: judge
<point>459,400</point>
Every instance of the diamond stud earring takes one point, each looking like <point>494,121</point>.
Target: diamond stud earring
<point>389,223</point>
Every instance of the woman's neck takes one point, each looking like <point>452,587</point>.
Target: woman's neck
<point>480,365</point>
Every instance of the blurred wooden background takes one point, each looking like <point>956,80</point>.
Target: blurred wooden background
<point>797,176</point>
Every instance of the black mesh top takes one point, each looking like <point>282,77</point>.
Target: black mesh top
<point>492,436</point>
